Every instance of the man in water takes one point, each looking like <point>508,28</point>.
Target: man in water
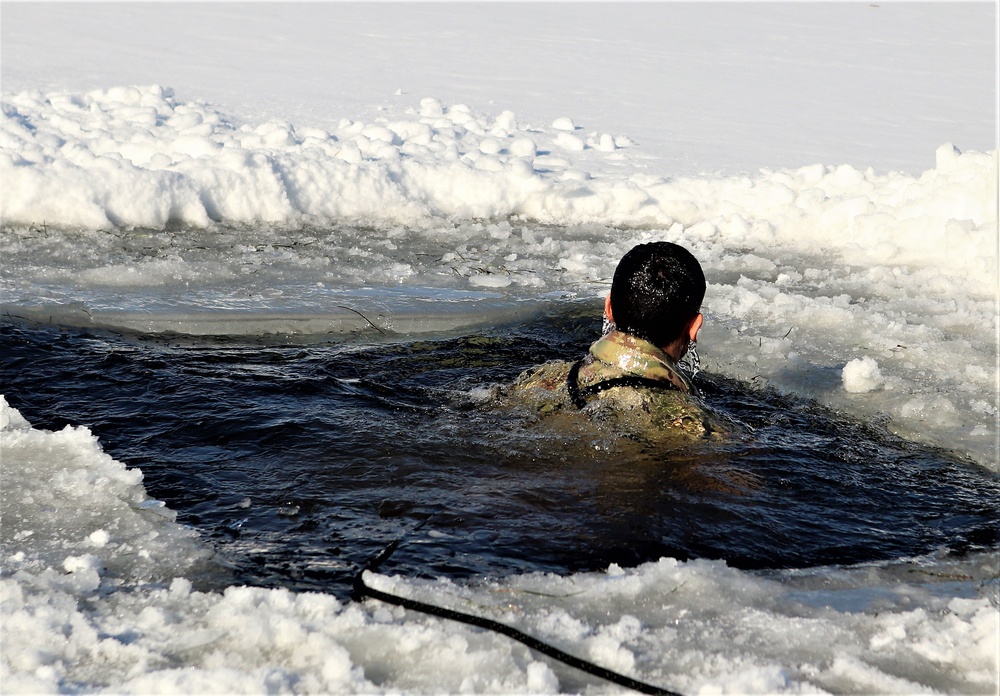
<point>629,381</point>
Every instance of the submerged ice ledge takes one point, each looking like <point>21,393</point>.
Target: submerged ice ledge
<point>356,317</point>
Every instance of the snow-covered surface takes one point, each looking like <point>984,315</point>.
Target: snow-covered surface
<point>702,87</point>
<point>833,166</point>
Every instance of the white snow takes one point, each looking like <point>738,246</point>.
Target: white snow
<point>702,87</point>
<point>69,505</point>
<point>833,165</point>
<point>862,375</point>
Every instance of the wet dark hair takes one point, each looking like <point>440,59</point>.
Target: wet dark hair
<point>656,291</point>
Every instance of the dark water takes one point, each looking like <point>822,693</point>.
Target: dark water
<point>301,462</point>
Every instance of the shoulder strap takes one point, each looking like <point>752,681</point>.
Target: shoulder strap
<point>579,395</point>
<point>573,385</point>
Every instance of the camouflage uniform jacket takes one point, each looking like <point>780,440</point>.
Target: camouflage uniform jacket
<point>624,383</point>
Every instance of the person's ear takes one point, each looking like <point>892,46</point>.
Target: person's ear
<point>695,326</point>
<point>607,308</point>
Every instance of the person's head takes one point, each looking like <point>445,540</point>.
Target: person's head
<point>656,295</point>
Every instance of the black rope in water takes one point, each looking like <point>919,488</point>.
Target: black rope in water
<point>362,590</point>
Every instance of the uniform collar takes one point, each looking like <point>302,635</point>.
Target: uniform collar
<point>639,357</point>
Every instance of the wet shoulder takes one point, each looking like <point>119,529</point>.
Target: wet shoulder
<point>542,389</point>
<point>657,414</point>
<point>550,377</point>
<point>644,413</point>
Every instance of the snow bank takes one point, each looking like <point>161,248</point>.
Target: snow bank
<point>142,157</point>
<point>139,156</point>
<point>695,627</point>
